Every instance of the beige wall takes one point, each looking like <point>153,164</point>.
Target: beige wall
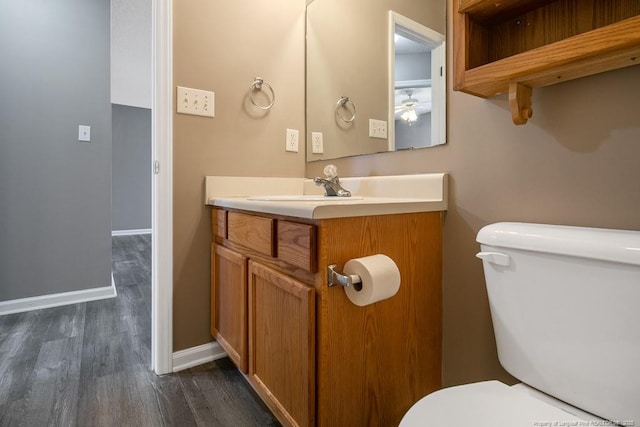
<point>576,162</point>
<point>223,46</point>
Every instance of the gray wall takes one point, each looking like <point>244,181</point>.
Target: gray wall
<point>131,183</point>
<point>416,135</point>
<point>131,52</point>
<point>55,194</point>
<point>413,66</point>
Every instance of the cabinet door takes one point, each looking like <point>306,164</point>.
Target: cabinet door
<point>282,344</point>
<point>229,303</point>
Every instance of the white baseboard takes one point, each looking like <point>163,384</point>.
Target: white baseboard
<point>56,300</point>
<point>130,232</point>
<point>194,356</point>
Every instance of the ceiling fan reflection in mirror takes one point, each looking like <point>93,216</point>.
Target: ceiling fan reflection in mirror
<point>412,103</point>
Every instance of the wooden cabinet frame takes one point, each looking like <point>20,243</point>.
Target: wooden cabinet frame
<point>515,45</point>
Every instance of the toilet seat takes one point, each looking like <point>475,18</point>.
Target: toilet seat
<point>483,404</point>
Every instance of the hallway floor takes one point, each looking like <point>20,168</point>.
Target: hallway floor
<point>88,364</point>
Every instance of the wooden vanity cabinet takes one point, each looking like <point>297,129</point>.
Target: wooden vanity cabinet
<point>261,314</point>
<point>315,358</point>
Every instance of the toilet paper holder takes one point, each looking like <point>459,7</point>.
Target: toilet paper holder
<point>346,280</point>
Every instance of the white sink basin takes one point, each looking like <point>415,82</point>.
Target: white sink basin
<point>303,198</point>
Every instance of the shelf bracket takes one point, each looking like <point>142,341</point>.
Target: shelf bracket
<point>520,102</point>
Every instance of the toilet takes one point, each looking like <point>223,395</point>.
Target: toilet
<point>565,307</point>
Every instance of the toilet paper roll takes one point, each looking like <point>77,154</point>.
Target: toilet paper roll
<point>380,279</point>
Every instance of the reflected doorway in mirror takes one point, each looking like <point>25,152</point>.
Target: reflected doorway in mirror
<point>417,84</point>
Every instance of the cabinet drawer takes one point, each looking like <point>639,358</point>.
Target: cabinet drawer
<point>254,232</point>
<point>297,245</point>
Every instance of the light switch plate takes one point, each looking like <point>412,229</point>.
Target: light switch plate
<point>378,129</point>
<point>195,101</point>
<point>84,133</point>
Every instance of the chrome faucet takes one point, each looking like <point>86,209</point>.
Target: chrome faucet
<point>331,183</point>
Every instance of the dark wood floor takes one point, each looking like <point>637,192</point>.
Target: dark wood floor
<point>88,364</point>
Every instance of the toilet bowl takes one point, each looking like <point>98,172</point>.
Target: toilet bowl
<point>493,404</point>
<point>563,304</point>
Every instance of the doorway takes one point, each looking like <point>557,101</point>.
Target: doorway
<point>161,94</point>
<point>55,158</point>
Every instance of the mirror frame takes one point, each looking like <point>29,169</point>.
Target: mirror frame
<point>438,81</point>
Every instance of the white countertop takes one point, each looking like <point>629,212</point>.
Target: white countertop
<point>376,195</point>
<point>337,207</point>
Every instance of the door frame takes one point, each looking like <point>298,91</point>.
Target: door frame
<point>162,198</point>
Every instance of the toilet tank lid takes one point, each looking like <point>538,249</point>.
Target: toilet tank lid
<point>622,246</point>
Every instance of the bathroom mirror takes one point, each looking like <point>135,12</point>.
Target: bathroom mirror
<point>370,67</point>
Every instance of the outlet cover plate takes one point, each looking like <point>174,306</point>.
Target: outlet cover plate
<point>317,146</point>
<point>195,101</point>
<point>291,143</point>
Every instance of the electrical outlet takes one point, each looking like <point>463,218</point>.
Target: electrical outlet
<point>195,101</point>
<point>377,129</point>
<point>291,143</point>
<point>316,143</point>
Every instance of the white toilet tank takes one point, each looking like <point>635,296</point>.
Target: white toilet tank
<point>565,305</point>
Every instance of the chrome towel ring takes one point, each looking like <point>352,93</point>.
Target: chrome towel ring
<point>344,103</point>
<point>257,85</point>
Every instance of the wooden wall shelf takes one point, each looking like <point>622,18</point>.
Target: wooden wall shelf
<point>515,45</point>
